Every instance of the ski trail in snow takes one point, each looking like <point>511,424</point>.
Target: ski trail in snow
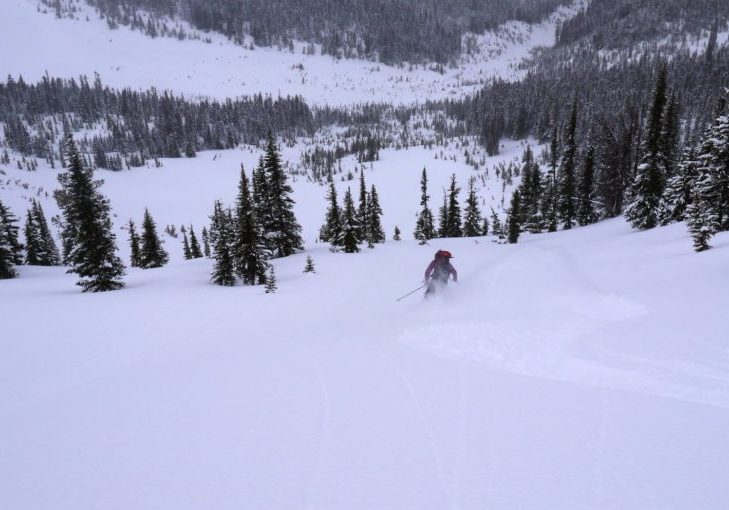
<point>325,424</point>
<point>427,429</point>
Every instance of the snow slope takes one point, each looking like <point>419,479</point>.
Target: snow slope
<point>125,58</point>
<point>582,369</point>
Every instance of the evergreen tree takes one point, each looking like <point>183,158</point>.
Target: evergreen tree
<point>281,230</point>
<point>206,242</point>
<point>530,192</point>
<point>151,254</point>
<point>496,227</point>
<point>668,141</point>
<point>396,234</point>
<point>48,254</point>
<point>362,208</point>
<point>331,231</point>
<point>702,225</point>
<point>249,250</point>
<point>649,182</point>
<point>186,247</point>
<point>220,235</point>
<point>424,228</point>
<point>32,240</point>
<point>10,221</point>
<point>472,223</point>
<point>443,217</point>
<point>566,207</point>
<point>89,243</point>
<point>349,225</point>
<point>677,195</point>
<point>453,218</point>
<point>512,221</point>
<point>195,251</point>
<point>586,214</point>
<point>134,241</point>
<point>309,267</point>
<point>7,258</point>
<point>271,284</point>
<point>375,233</point>
<point>485,226</point>
<point>708,212</point>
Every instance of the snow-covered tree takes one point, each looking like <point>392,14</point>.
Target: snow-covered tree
<point>48,251</point>
<point>195,251</point>
<point>151,254</point>
<point>89,243</point>
<point>186,253</point>
<point>280,229</point>
<point>7,257</point>
<point>677,195</point>
<point>374,231</point>
<point>10,222</point>
<point>512,222</point>
<point>566,206</point>
<point>349,225</point>
<point>309,267</point>
<point>472,222</point>
<point>586,213</point>
<point>220,235</point>
<point>331,230</point>
<point>649,182</point>
<point>134,242</point>
<point>424,228</point>
<point>453,216</point>
<point>248,249</point>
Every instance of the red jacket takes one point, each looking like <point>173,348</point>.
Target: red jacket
<point>446,265</point>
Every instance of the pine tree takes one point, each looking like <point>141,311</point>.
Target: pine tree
<point>485,226</point>
<point>187,254</point>
<point>649,182</point>
<point>151,254</point>
<point>220,235</point>
<point>206,242</point>
<point>195,251</point>
<point>134,241</point>
<point>396,234</point>
<point>11,233</point>
<point>512,222</point>
<point>443,217</point>
<point>586,214</point>
<point>529,189</point>
<point>375,233</point>
<point>32,240</point>
<point>7,258</point>
<point>48,254</point>
<point>309,267</point>
<point>702,225</point>
<point>472,223</point>
<point>271,284</point>
<point>424,228</point>
<point>677,195</point>
<point>89,243</point>
<point>249,249</point>
<point>280,228</point>
<point>362,208</point>
<point>566,207</point>
<point>453,218</point>
<point>331,231</point>
<point>496,228</point>
<point>349,225</point>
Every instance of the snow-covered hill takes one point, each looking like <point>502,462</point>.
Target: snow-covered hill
<point>124,58</point>
<point>582,369</point>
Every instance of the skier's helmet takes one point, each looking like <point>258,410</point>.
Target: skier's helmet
<point>443,254</point>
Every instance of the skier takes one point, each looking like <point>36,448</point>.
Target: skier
<point>439,271</point>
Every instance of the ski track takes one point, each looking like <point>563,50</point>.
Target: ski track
<point>445,485</point>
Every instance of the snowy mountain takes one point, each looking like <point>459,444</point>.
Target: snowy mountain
<point>584,366</point>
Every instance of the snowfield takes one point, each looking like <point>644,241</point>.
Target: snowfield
<point>124,58</point>
<point>582,369</point>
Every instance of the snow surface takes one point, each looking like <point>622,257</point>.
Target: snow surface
<point>125,58</point>
<point>582,369</point>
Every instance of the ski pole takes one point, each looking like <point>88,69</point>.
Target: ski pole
<point>411,292</point>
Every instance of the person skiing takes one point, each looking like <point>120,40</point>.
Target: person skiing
<point>439,271</point>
